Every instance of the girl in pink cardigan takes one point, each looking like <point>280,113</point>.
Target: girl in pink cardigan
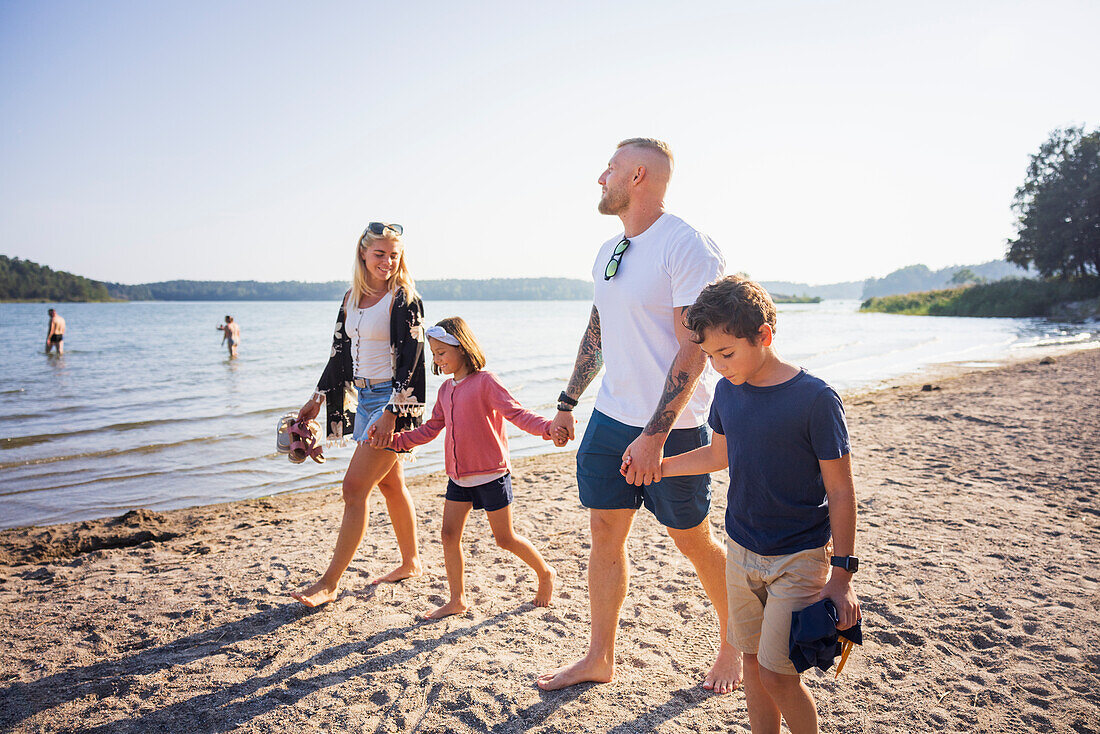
<point>472,407</point>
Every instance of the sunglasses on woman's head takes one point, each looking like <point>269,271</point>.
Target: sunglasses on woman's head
<point>379,228</point>
<point>616,259</point>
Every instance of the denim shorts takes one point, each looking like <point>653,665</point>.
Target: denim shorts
<point>491,496</point>
<point>677,502</point>
<point>372,401</point>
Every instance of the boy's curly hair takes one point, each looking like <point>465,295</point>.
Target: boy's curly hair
<point>736,305</point>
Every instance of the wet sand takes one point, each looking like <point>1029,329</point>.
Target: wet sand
<point>979,533</point>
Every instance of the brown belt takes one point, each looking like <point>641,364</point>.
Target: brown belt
<point>364,382</point>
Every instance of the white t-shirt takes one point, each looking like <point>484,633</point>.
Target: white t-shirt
<point>664,268</point>
<point>369,331</point>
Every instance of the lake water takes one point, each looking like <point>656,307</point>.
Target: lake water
<point>145,409</point>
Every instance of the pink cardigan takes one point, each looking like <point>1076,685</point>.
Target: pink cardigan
<point>473,413</point>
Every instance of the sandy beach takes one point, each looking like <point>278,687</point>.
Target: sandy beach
<point>979,536</point>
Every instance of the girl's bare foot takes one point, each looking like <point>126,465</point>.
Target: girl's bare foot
<point>316,595</point>
<point>451,607</point>
<point>725,675</point>
<point>404,571</point>
<point>546,588</point>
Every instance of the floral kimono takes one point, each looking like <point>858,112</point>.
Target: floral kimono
<point>406,356</point>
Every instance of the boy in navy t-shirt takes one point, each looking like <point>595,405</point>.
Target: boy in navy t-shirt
<point>781,432</point>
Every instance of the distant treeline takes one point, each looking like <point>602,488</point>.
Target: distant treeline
<point>239,290</point>
<point>921,278</point>
<point>494,289</point>
<point>23,280</point>
<point>903,280</point>
<point>1008,298</point>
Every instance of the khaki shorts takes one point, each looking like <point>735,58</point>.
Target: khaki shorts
<point>763,591</point>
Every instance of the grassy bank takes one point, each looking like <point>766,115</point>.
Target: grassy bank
<point>1010,298</point>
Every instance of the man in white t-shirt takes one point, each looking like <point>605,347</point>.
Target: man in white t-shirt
<point>651,403</point>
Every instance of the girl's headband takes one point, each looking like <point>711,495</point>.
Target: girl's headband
<point>439,333</point>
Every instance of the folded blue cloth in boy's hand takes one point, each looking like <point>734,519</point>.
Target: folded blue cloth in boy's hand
<point>815,640</point>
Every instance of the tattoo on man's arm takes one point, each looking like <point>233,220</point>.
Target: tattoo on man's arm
<point>589,358</point>
<point>663,417</point>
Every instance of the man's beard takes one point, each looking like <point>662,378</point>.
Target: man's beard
<point>613,202</point>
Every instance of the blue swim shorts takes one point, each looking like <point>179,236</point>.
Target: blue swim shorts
<point>491,496</point>
<point>677,502</point>
<point>372,401</point>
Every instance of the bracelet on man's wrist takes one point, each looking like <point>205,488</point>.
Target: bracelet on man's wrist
<point>564,398</point>
<point>565,408</point>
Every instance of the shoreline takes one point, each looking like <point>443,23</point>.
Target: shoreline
<point>979,533</point>
<point>925,375</point>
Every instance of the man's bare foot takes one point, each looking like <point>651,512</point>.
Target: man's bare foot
<point>316,595</point>
<point>725,675</point>
<point>546,588</point>
<point>404,571</point>
<point>451,607</point>
<point>582,671</point>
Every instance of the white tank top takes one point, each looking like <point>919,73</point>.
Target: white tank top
<point>369,331</point>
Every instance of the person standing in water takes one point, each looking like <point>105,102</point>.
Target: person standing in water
<point>231,334</point>
<point>55,334</point>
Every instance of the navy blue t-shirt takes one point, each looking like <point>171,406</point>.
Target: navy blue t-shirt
<point>775,436</point>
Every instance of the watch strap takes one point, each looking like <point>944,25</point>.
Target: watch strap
<point>848,563</point>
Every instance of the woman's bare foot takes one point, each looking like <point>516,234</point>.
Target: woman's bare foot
<point>404,571</point>
<point>316,595</point>
<point>582,671</point>
<point>451,607</point>
<point>546,588</point>
<point>725,675</point>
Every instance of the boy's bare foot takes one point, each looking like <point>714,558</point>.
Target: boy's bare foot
<point>546,588</point>
<point>404,571</point>
<point>451,607</point>
<point>316,595</point>
<point>582,671</point>
<point>725,675</point>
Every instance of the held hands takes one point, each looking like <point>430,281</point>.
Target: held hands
<point>380,434</point>
<point>839,589</point>
<point>642,460</point>
<point>561,428</point>
<point>372,432</point>
<point>558,435</point>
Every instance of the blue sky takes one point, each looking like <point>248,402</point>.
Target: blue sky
<point>815,141</point>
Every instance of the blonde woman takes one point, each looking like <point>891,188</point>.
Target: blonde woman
<point>378,347</point>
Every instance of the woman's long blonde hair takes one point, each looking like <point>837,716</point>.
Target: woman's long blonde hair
<point>401,277</point>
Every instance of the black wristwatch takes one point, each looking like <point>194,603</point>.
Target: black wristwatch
<point>848,563</point>
<point>566,403</point>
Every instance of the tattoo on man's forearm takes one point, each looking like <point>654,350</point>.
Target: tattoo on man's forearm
<point>663,417</point>
<point>589,358</point>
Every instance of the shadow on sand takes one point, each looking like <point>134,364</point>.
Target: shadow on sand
<point>231,706</point>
